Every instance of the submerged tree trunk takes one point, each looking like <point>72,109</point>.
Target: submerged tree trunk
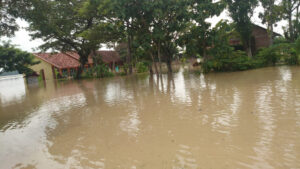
<point>169,64</point>
<point>159,58</point>
<point>128,58</point>
<point>291,30</point>
<point>297,21</point>
<point>205,57</point>
<point>248,48</point>
<point>153,62</point>
<point>150,69</point>
<point>204,53</point>
<point>83,60</point>
<point>271,34</point>
<point>79,71</point>
<point>290,22</point>
<point>249,52</point>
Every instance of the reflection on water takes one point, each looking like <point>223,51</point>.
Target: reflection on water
<point>245,119</point>
<point>12,90</point>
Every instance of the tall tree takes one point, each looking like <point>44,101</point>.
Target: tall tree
<point>170,18</point>
<point>77,25</point>
<point>290,10</point>
<point>269,15</point>
<point>125,12</point>
<point>199,36</point>
<point>241,12</point>
<point>8,24</point>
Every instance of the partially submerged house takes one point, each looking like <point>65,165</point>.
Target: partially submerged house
<point>53,64</point>
<point>260,39</point>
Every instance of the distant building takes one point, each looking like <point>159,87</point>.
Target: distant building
<point>10,75</point>
<point>260,39</point>
<point>52,64</point>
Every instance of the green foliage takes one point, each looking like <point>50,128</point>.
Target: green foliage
<point>88,72</point>
<point>280,40</point>
<point>12,59</point>
<point>198,35</point>
<point>146,31</point>
<point>286,52</point>
<point>8,12</point>
<point>241,12</point>
<point>238,61</point>
<point>64,25</point>
<point>270,56</point>
<point>297,47</point>
<point>221,34</point>
<point>102,70</point>
<point>294,54</point>
<point>98,71</point>
<point>223,57</point>
<point>269,15</point>
<point>141,67</point>
<point>289,11</point>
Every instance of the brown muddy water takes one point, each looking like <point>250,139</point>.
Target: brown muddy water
<point>247,119</point>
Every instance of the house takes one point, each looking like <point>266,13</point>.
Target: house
<point>67,63</point>
<point>260,39</point>
<point>110,58</point>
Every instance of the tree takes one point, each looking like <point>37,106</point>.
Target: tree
<point>64,25</point>
<point>288,9</point>
<point>221,34</point>
<point>12,59</point>
<point>170,19</point>
<point>199,35</point>
<point>8,24</point>
<point>241,12</point>
<point>125,12</point>
<point>270,16</point>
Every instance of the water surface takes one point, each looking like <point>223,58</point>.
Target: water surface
<point>247,119</point>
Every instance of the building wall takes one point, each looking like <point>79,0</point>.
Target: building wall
<point>261,37</point>
<point>43,65</point>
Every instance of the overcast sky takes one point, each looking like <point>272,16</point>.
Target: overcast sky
<point>23,41</point>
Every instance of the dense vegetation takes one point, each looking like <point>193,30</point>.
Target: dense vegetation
<point>14,59</point>
<point>145,32</point>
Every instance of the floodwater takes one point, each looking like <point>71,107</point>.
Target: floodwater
<point>247,119</point>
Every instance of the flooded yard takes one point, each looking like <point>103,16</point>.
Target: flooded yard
<point>247,119</point>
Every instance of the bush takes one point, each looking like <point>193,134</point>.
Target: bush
<point>102,70</point>
<point>238,61</point>
<point>288,53</point>
<point>13,59</point>
<point>269,56</point>
<point>141,67</point>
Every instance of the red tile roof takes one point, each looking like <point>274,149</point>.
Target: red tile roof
<point>71,59</point>
<point>76,56</point>
<point>109,56</point>
<point>59,60</point>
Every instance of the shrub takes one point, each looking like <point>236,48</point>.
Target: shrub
<point>238,61</point>
<point>288,53</point>
<point>141,67</point>
<point>88,72</point>
<point>102,70</point>
<point>269,56</point>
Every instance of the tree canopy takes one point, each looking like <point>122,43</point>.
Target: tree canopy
<point>241,12</point>
<point>64,25</point>
<point>8,14</point>
<point>150,31</point>
<point>12,59</point>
